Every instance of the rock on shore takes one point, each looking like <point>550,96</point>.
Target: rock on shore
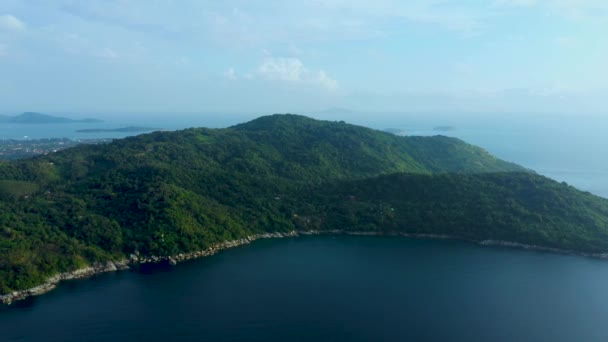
<point>110,266</point>
<point>52,282</point>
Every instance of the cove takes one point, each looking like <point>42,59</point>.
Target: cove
<point>329,288</point>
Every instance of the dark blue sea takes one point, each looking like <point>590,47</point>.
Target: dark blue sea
<point>331,289</point>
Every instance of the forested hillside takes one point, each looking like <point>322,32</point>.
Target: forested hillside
<point>166,193</point>
<point>519,207</point>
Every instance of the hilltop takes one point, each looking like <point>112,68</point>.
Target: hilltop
<point>169,193</point>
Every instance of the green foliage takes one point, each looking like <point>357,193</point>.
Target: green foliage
<point>516,207</point>
<point>10,189</point>
<point>166,193</point>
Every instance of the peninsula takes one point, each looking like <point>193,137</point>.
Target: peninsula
<point>170,196</point>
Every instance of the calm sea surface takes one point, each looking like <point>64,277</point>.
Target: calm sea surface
<point>331,289</point>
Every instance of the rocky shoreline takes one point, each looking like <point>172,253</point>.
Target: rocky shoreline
<point>174,259</point>
<point>135,259</point>
<point>498,243</point>
<point>518,245</point>
<point>112,266</point>
<point>51,283</point>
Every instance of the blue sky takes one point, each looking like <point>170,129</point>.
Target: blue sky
<point>492,56</point>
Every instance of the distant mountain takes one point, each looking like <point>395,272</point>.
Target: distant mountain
<point>39,118</point>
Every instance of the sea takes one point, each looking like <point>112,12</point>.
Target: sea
<point>331,289</point>
<point>349,288</point>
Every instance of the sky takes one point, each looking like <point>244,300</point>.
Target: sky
<point>162,56</point>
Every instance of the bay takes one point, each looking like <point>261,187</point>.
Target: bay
<point>331,289</point>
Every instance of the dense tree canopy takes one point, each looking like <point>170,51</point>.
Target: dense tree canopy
<point>170,192</point>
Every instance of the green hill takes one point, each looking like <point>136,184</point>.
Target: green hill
<point>167,193</point>
<point>516,207</point>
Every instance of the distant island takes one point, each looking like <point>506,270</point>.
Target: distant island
<point>39,118</point>
<point>443,128</point>
<point>122,129</point>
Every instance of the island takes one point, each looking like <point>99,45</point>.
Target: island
<point>39,118</point>
<point>173,196</point>
<point>129,129</point>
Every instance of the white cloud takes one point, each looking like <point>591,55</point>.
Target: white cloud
<point>247,23</point>
<point>315,35</point>
<point>283,69</point>
<point>565,41</point>
<point>183,61</point>
<point>107,53</point>
<point>518,3</point>
<point>293,70</point>
<point>11,23</point>
<point>573,9</point>
<point>230,74</point>
<point>326,81</point>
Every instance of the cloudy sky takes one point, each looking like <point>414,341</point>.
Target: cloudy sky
<point>495,56</point>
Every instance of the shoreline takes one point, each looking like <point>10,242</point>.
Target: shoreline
<point>52,282</point>
<point>112,266</point>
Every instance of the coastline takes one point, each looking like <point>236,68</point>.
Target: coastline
<point>517,245</point>
<point>125,264</point>
<point>52,282</point>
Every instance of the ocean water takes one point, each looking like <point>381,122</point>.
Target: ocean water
<point>331,289</point>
